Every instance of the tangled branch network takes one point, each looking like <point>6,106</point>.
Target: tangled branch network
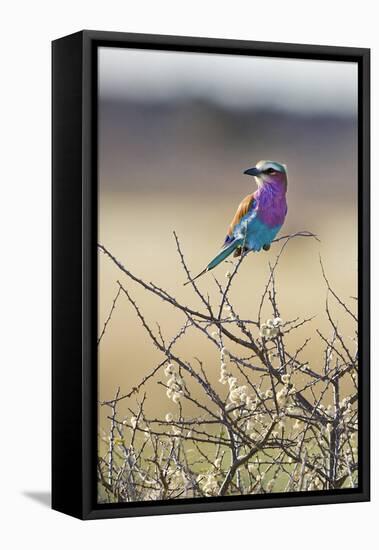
<point>270,423</point>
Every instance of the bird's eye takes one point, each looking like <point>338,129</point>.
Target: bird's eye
<point>270,171</point>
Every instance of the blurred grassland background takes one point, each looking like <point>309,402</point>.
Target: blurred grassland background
<point>176,132</point>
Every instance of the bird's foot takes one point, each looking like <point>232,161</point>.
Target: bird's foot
<point>238,251</point>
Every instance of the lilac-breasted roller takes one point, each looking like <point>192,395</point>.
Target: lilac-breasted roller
<point>259,216</point>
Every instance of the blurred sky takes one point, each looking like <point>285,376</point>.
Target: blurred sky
<point>237,81</point>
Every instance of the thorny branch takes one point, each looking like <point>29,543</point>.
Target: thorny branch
<point>271,423</point>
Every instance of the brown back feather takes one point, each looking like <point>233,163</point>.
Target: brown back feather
<point>242,210</point>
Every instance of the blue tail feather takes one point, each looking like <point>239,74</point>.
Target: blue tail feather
<point>224,253</point>
<point>221,256</point>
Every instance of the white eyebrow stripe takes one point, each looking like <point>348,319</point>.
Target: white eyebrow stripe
<point>266,165</point>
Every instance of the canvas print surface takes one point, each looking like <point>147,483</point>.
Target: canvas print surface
<point>228,272</point>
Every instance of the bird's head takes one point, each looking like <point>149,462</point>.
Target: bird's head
<point>269,172</point>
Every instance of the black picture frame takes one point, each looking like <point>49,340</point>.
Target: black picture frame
<point>74,271</point>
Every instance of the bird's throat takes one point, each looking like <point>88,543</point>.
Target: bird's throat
<point>272,204</point>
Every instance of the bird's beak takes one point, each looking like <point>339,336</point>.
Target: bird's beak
<point>252,171</point>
